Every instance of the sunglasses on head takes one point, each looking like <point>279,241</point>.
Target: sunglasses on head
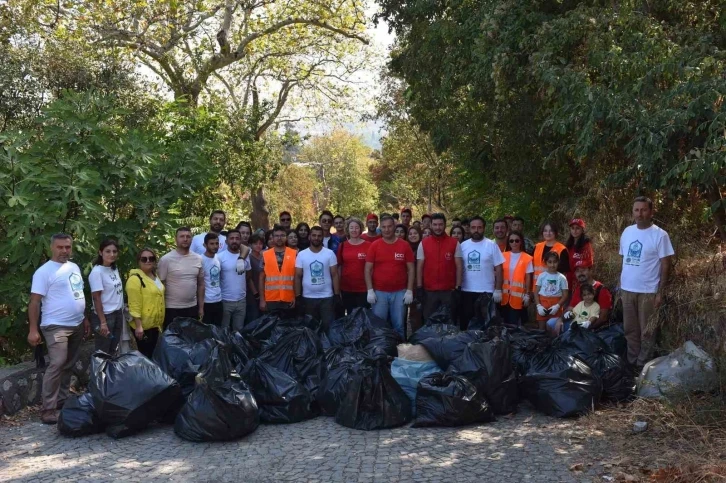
<point>515,240</point>
<point>147,259</point>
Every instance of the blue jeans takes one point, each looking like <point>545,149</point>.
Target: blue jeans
<point>389,306</point>
<point>565,325</point>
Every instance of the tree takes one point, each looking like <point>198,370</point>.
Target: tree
<point>341,162</point>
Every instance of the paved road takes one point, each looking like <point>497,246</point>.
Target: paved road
<point>526,447</point>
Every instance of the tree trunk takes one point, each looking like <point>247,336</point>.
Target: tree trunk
<point>260,217</point>
<point>719,215</point>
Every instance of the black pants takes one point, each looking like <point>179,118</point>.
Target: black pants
<point>434,300</point>
<point>352,300</point>
<point>213,313</point>
<point>514,316</point>
<point>467,308</point>
<point>148,343</point>
<point>320,309</point>
<point>171,314</point>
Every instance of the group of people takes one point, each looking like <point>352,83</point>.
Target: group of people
<point>404,270</point>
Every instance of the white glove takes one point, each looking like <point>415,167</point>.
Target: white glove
<point>568,314</point>
<point>497,297</point>
<point>541,310</point>
<point>408,297</point>
<point>371,297</point>
<point>554,309</point>
<point>525,300</point>
<point>585,325</point>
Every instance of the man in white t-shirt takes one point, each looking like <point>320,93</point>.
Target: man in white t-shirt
<point>317,287</point>
<point>57,299</point>
<point>217,220</point>
<point>235,265</point>
<point>212,287</point>
<point>482,273</point>
<point>182,273</point>
<point>646,250</point>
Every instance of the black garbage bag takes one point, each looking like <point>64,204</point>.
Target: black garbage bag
<point>334,356</point>
<point>618,381</point>
<point>445,350</point>
<point>373,399</point>
<point>184,347</point>
<point>525,345</point>
<point>221,407</point>
<point>442,315</point>
<point>129,392</point>
<point>280,398</point>
<point>261,328</point>
<point>355,328</point>
<point>433,330</point>
<point>614,337</point>
<point>559,384</point>
<point>298,354</point>
<point>78,417</point>
<point>445,399</point>
<point>383,340</point>
<point>485,313</point>
<point>488,365</point>
<point>580,342</point>
<point>243,348</point>
<point>334,386</point>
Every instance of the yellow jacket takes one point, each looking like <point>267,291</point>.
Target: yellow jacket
<point>146,300</point>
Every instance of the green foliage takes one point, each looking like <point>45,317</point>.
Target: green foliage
<point>92,169</point>
<point>533,99</point>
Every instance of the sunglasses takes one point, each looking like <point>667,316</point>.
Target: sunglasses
<point>326,220</point>
<point>515,240</point>
<point>285,219</point>
<point>151,259</point>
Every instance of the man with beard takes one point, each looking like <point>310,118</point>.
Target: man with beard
<point>372,224</point>
<point>501,230</point>
<point>212,288</point>
<point>286,220</point>
<point>438,268</point>
<point>217,220</point>
<point>235,270</point>
<point>482,273</point>
<point>317,286</point>
<point>182,273</point>
<point>277,278</point>
<point>390,275</point>
<point>518,226</point>
<point>603,297</point>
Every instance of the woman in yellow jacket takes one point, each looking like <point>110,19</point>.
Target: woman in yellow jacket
<point>146,302</point>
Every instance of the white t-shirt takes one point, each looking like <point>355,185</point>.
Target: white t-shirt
<point>234,275</point>
<point>198,244</point>
<point>107,281</point>
<point>61,286</point>
<point>479,260</point>
<point>212,287</point>
<point>513,261</point>
<point>551,284</point>
<point>316,281</point>
<point>642,251</point>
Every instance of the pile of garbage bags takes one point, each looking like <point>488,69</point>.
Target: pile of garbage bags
<point>216,385</point>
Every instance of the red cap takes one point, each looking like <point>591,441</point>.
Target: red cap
<point>407,210</point>
<point>371,216</point>
<point>508,217</point>
<point>583,263</point>
<point>579,222</point>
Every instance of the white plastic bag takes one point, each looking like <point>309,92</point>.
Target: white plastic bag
<point>688,368</point>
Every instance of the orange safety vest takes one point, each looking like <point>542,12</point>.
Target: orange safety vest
<point>513,290</point>
<point>539,264</point>
<point>279,284</point>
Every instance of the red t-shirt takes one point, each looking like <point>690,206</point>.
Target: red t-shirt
<point>351,266</point>
<point>369,238</point>
<point>389,264</point>
<point>604,298</point>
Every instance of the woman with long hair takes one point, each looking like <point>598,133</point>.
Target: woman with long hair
<point>145,293</point>
<point>351,266</point>
<point>303,235</point>
<point>107,316</point>
<point>458,233</point>
<point>401,232</point>
<point>517,280</point>
<point>579,248</point>
<point>549,233</point>
<point>292,240</point>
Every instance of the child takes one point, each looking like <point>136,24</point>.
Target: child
<point>550,294</point>
<point>584,313</point>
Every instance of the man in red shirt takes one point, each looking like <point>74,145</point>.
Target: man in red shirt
<point>438,267</point>
<point>603,297</point>
<point>389,275</point>
<point>372,224</point>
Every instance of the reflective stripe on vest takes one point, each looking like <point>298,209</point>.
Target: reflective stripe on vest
<point>539,264</point>
<point>279,283</point>
<point>513,290</point>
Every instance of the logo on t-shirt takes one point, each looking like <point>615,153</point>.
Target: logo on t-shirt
<point>634,252</point>
<point>362,255</point>
<point>399,256</point>
<point>473,261</point>
<point>447,255</point>
<point>214,276</point>
<point>317,274</point>
<point>76,282</point>
<point>551,287</point>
